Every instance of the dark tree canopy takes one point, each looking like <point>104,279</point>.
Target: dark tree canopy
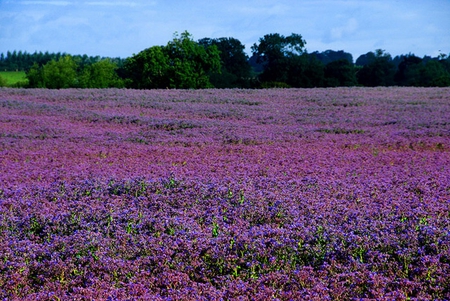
<point>273,47</point>
<point>379,70</point>
<point>340,73</point>
<point>148,69</point>
<point>182,63</point>
<point>434,74</point>
<point>365,59</point>
<point>329,56</point>
<point>235,66</point>
<point>276,53</point>
<point>304,71</point>
<point>408,71</point>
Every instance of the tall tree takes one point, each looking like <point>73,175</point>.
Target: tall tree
<point>277,52</point>
<point>408,71</point>
<point>379,71</point>
<point>58,74</point>
<point>148,69</point>
<point>235,67</point>
<point>182,63</point>
<point>35,76</point>
<point>304,71</point>
<point>190,63</point>
<point>340,73</point>
<point>101,74</point>
<point>365,59</point>
<point>434,74</point>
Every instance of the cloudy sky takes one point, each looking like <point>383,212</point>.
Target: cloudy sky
<point>121,28</point>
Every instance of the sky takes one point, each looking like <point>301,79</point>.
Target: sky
<point>122,28</point>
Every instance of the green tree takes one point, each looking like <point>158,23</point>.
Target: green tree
<point>101,74</point>
<point>35,76</point>
<point>329,56</point>
<point>408,71</point>
<point>148,69</point>
<point>365,59</point>
<point>278,54</point>
<point>235,70</point>
<point>304,71</point>
<point>60,74</point>
<point>379,71</point>
<point>435,75</point>
<point>340,73</point>
<point>182,63</point>
<point>190,63</point>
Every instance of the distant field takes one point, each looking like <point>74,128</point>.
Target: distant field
<point>13,77</point>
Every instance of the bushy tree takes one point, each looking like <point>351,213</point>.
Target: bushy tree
<point>365,59</point>
<point>101,74</point>
<point>304,71</point>
<point>278,54</point>
<point>379,70</point>
<point>434,75</point>
<point>329,56</point>
<point>427,72</point>
<point>340,73</point>
<point>67,73</point>
<point>408,71</point>
<point>35,76</point>
<point>235,70</point>
<point>55,74</point>
<point>148,69</point>
<point>182,63</point>
<point>190,63</point>
<point>60,74</point>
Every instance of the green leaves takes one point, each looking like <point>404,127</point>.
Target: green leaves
<point>182,64</point>
<point>101,74</point>
<point>66,72</point>
<point>235,69</point>
<point>54,74</point>
<point>148,69</point>
<point>285,60</point>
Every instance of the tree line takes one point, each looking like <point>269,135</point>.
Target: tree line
<point>276,61</point>
<point>23,61</point>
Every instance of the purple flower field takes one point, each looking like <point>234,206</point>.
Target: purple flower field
<point>289,194</point>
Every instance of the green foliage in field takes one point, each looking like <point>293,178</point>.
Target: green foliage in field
<point>67,73</point>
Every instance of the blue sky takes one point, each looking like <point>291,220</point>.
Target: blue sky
<point>121,28</point>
